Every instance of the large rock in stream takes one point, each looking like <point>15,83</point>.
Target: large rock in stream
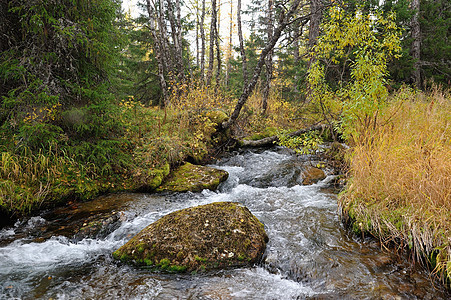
<point>216,235</point>
<point>194,178</point>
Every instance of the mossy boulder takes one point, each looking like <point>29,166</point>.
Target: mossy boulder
<point>217,116</point>
<point>312,175</point>
<point>194,178</point>
<point>212,236</point>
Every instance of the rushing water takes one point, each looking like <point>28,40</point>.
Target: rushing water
<point>309,256</point>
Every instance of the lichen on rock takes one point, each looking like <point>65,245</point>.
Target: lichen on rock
<point>194,178</point>
<point>216,235</point>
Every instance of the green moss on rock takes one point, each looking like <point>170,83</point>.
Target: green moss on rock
<point>217,116</point>
<point>196,239</point>
<point>194,178</point>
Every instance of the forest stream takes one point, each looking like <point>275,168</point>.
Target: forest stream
<point>310,254</point>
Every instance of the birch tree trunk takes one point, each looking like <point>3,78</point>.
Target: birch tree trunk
<point>158,51</point>
<point>180,42</point>
<point>268,60</point>
<point>212,42</point>
<point>240,37</point>
<point>296,56</point>
<point>202,37</point>
<point>165,49</point>
<point>218,52</point>
<point>229,49</point>
<point>197,35</point>
<point>175,40</point>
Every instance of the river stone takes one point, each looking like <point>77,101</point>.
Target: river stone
<point>211,236</point>
<point>312,175</point>
<point>194,178</point>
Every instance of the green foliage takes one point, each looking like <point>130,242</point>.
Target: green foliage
<point>137,69</point>
<point>435,24</point>
<point>364,42</point>
<point>307,143</point>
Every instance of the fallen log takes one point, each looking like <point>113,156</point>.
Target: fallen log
<point>274,139</point>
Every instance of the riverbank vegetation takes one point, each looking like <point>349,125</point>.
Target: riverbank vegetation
<point>95,101</point>
<point>400,177</point>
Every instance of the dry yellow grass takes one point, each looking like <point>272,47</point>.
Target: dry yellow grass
<point>400,187</point>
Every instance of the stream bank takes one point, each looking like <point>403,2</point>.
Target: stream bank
<point>310,253</point>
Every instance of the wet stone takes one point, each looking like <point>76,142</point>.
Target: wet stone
<point>98,226</point>
<point>312,175</point>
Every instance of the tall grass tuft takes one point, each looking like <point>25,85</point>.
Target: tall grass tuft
<point>400,186</point>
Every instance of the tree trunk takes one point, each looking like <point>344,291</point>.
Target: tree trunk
<point>202,37</point>
<point>212,41</point>
<point>315,21</point>
<point>268,60</point>
<point>296,56</point>
<point>416,44</point>
<point>197,35</point>
<point>284,21</point>
<point>229,48</point>
<point>166,50</point>
<point>240,37</point>
<point>158,51</point>
<point>218,52</point>
<point>180,42</point>
<point>175,37</point>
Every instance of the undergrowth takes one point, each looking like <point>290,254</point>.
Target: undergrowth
<point>46,161</point>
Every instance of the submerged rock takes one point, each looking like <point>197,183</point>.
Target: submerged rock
<point>312,175</point>
<point>194,178</point>
<point>98,226</point>
<point>216,235</point>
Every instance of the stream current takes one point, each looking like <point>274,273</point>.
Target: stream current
<point>310,255</point>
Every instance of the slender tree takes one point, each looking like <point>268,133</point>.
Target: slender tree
<point>229,48</point>
<point>316,16</point>
<point>240,37</point>
<point>268,60</point>
<point>296,56</point>
<point>218,51</point>
<point>202,37</point>
<point>159,49</point>
<point>212,41</point>
<point>176,34</point>
<point>197,33</point>
<point>179,40</point>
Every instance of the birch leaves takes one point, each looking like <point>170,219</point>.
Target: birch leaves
<point>357,46</point>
